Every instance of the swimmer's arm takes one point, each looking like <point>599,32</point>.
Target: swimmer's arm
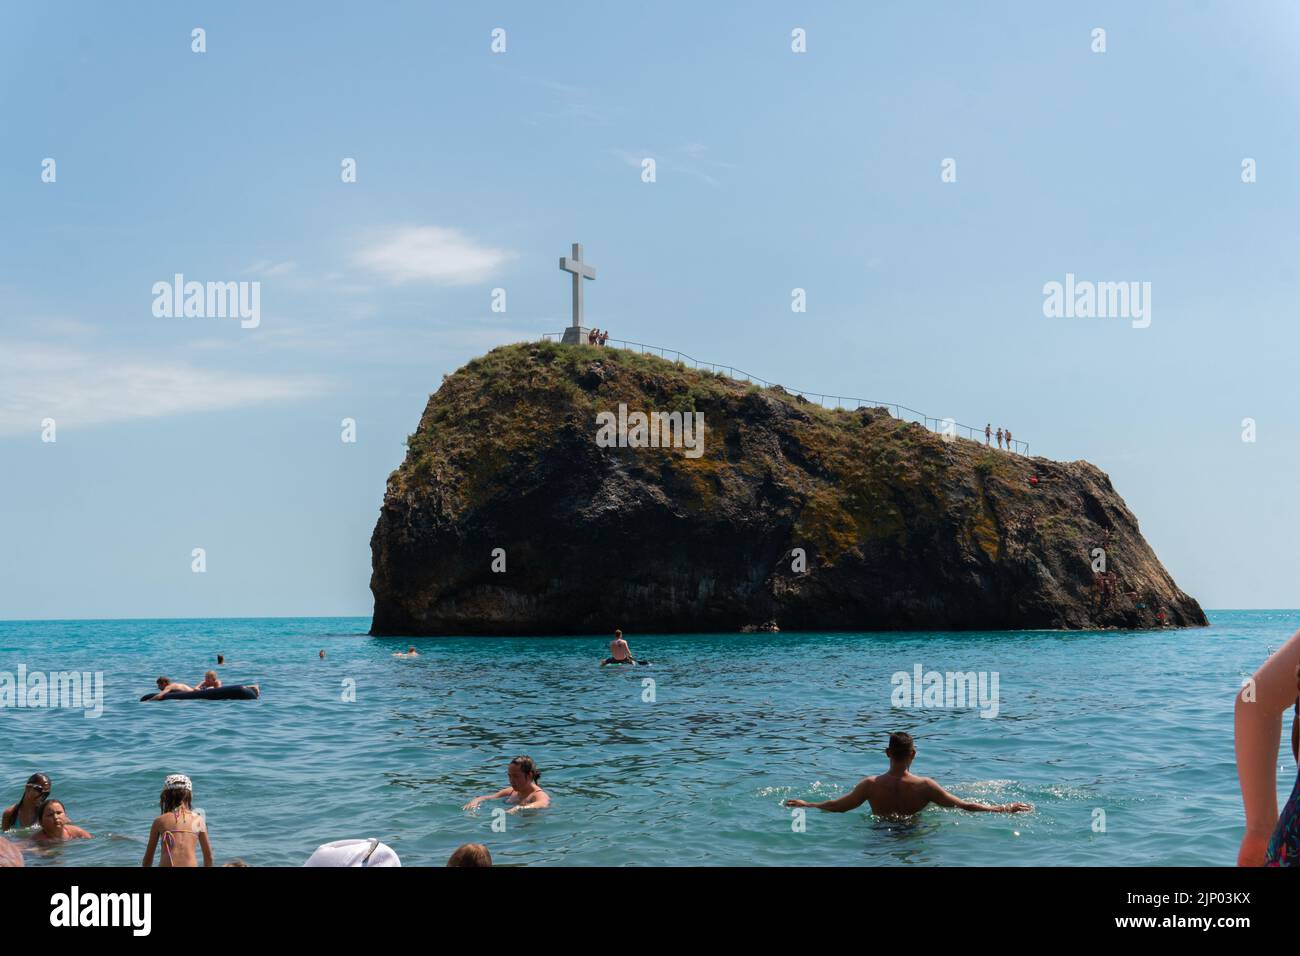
<point>1257,733</point>
<point>850,801</point>
<point>491,796</point>
<point>8,817</point>
<point>153,844</point>
<point>943,798</point>
<point>207,847</point>
<point>534,802</point>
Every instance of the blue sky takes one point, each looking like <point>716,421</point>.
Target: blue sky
<point>476,170</point>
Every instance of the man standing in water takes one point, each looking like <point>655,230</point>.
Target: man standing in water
<point>899,792</point>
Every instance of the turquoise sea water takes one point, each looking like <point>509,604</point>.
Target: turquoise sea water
<point>1138,725</point>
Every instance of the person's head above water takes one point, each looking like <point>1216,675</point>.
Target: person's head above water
<point>221,658</point>
<point>523,771</point>
<point>177,793</point>
<point>162,682</point>
<point>53,817</point>
<point>471,854</point>
<point>210,676</point>
<point>901,749</point>
<point>618,635</point>
<point>35,792</point>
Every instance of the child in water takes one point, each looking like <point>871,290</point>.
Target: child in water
<point>27,811</point>
<point>55,825</point>
<point>178,827</point>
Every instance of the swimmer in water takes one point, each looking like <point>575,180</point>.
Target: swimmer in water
<point>899,792</point>
<point>471,854</point>
<point>55,825</point>
<point>180,830</point>
<point>210,679</point>
<point>524,792</point>
<point>619,652</point>
<point>27,811</point>
<point>165,687</point>
<point>322,655</point>
<point>410,652</point>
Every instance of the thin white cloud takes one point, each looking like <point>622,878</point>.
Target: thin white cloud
<point>688,160</point>
<point>269,269</point>
<point>80,389</point>
<point>431,254</point>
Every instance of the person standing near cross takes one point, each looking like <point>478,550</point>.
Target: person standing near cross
<point>580,270</point>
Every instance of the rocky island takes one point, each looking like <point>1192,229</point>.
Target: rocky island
<point>509,517</point>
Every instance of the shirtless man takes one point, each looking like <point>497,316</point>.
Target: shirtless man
<point>619,652</point>
<point>524,792</point>
<point>165,687</point>
<point>899,792</point>
<point>55,826</point>
<point>409,652</point>
<point>210,679</point>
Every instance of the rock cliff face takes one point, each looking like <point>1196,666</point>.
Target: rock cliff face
<point>793,515</point>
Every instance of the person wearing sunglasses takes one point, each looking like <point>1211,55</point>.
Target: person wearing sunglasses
<point>1270,839</point>
<point>27,811</point>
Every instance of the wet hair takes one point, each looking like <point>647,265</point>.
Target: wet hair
<point>901,745</point>
<point>40,801</point>
<point>221,658</point>
<point>617,632</point>
<point>529,767</point>
<point>48,803</point>
<point>471,854</point>
<point>163,681</point>
<point>174,799</point>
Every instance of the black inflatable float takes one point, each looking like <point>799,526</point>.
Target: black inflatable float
<point>233,692</point>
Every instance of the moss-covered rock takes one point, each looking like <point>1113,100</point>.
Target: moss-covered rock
<point>900,528</point>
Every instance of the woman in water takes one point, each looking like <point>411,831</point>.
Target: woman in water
<point>1270,840</point>
<point>524,792</point>
<point>55,826</point>
<point>180,830</point>
<point>27,811</point>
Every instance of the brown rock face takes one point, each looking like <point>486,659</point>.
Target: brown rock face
<point>793,517</point>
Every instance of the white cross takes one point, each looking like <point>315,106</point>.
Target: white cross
<point>580,271</point>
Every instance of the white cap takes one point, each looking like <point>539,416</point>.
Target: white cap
<point>354,853</point>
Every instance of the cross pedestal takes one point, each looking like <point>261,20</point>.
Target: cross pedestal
<point>576,333</point>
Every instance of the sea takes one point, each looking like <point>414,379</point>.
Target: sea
<point>1122,741</point>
